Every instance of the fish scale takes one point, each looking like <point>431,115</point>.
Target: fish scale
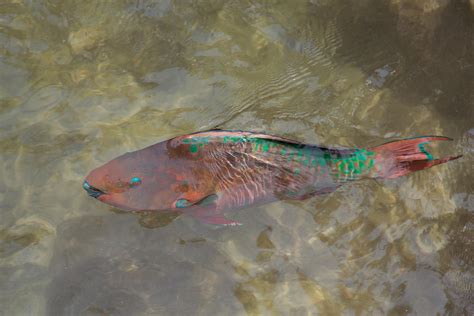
<point>208,173</point>
<point>299,157</point>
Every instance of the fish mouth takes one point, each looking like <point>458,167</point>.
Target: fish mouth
<point>94,192</point>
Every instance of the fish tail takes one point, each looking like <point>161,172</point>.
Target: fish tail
<point>402,157</point>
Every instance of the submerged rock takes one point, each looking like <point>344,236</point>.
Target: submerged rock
<point>85,39</point>
<point>422,6</point>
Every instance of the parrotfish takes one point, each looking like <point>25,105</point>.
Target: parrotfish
<point>207,174</point>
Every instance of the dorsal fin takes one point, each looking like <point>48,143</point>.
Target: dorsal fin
<point>238,133</point>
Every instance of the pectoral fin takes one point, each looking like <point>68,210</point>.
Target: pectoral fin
<point>205,211</point>
<point>208,200</point>
<point>184,203</point>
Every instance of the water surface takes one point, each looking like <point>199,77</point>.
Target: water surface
<point>84,81</point>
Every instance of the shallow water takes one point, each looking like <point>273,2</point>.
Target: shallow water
<point>82,82</point>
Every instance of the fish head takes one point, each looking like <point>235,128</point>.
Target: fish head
<point>135,181</point>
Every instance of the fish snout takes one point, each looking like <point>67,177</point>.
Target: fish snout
<point>94,192</point>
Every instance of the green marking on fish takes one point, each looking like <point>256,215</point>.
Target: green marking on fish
<point>265,147</point>
<point>193,148</point>
<point>297,171</point>
<point>371,164</point>
<point>290,156</point>
<point>340,166</point>
<point>322,162</point>
<point>350,165</point>
<point>361,155</point>
<point>344,167</point>
<point>306,161</point>
<point>186,141</point>
<point>422,148</point>
<point>361,161</point>
<point>283,151</point>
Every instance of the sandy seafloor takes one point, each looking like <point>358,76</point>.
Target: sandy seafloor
<point>84,81</point>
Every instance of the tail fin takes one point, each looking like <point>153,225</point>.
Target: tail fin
<point>398,158</point>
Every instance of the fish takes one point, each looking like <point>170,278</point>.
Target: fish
<point>207,174</point>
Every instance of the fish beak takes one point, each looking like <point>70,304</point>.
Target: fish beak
<point>94,192</point>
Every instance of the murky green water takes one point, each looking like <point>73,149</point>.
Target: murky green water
<point>84,81</point>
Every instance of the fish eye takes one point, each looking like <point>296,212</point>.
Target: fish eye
<point>135,181</point>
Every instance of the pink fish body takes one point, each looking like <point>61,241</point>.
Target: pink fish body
<point>209,173</point>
